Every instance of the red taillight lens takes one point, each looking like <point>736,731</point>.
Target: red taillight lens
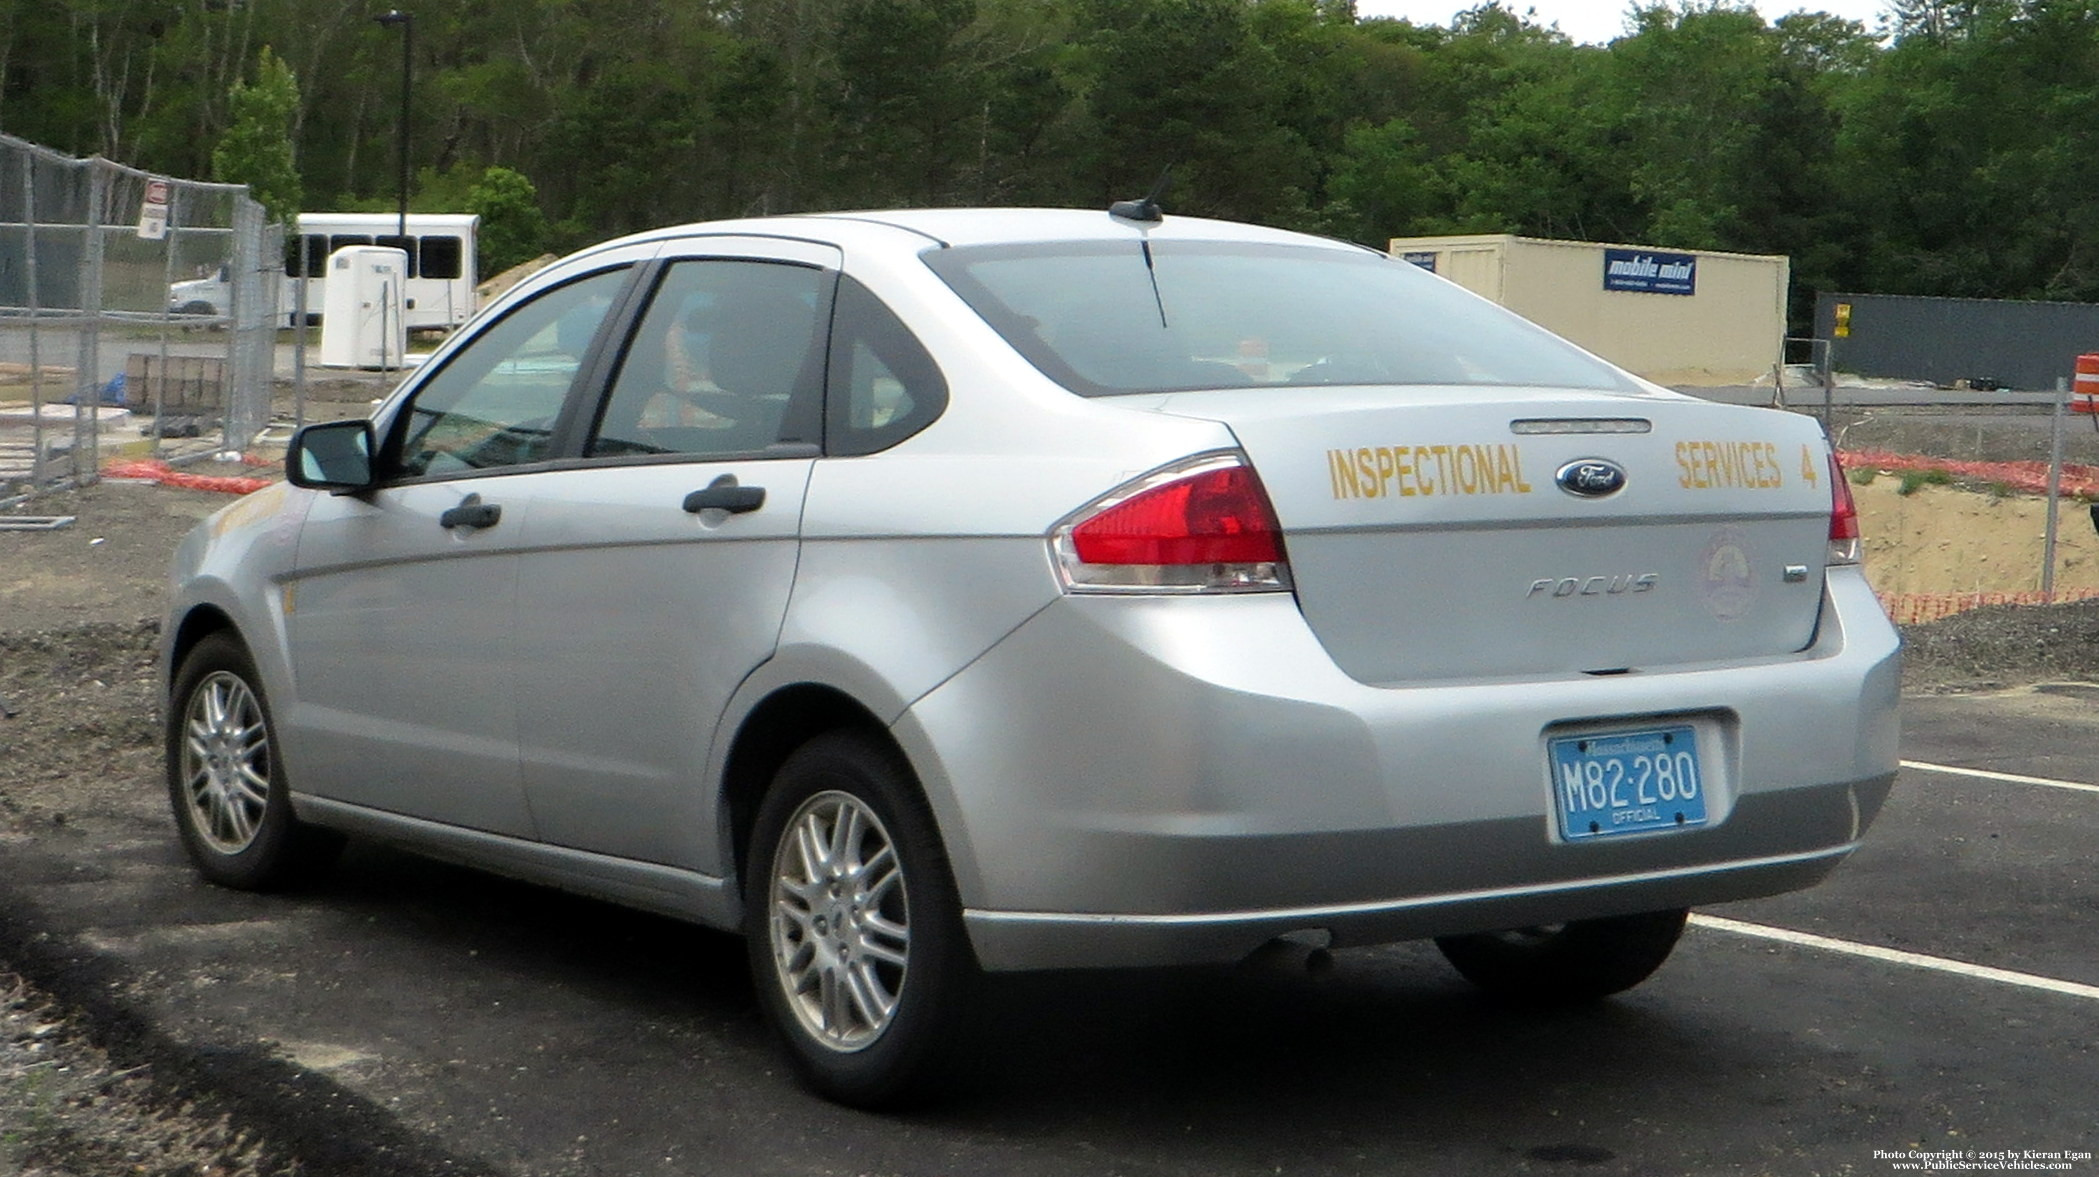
<point>1843,517</point>
<point>1204,525</point>
<point>1216,517</point>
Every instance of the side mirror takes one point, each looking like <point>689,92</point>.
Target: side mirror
<point>335,455</point>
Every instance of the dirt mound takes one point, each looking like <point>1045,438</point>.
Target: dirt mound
<point>1925,541</point>
<point>2002,645</point>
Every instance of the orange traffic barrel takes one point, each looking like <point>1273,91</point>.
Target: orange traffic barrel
<point>2084,391</point>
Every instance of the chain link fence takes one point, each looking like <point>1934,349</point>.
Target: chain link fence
<point>138,317</point>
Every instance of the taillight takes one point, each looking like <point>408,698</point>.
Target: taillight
<point>1203,525</point>
<point>1843,517</point>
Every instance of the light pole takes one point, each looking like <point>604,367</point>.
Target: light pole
<point>397,17</point>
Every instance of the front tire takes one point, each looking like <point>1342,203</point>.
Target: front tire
<point>1563,964</point>
<point>854,926</point>
<point>225,780</point>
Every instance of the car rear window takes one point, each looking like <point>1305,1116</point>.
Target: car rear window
<point>1104,318</point>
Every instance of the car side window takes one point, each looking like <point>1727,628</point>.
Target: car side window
<point>884,384</point>
<point>496,400</point>
<point>728,359</point>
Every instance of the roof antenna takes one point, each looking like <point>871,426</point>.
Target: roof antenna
<point>1147,210</point>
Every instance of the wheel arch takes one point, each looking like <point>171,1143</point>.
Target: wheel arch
<point>785,720</point>
<point>198,623</point>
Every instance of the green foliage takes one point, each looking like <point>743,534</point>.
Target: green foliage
<point>1385,177</point>
<point>256,149</point>
<point>1188,84</point>
<point>1948,157</point>
<point>1913,480</point>
<point>905,104</point>
<point>1970,130</point>
<point>513,228</point>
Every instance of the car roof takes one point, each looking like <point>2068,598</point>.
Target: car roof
<point>988,226</point>
<point>985,226</point>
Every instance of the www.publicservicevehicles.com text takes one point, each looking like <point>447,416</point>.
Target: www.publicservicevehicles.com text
<point>1954,1160</point>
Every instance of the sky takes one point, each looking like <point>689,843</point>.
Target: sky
<point>1599,21</point>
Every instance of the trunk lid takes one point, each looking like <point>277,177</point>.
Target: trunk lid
<point>1465,533</point>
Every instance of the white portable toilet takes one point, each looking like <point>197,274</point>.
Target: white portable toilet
<point>361,323</point>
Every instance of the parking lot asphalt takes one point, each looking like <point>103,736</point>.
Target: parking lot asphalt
<point>407,1017</point>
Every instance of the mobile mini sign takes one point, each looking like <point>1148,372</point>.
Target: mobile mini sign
<point>1647,272</point>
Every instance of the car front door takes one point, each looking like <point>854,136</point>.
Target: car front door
<point>402,619</point>
<point>658,579</point>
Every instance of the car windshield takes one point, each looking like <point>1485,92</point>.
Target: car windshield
<point>1101,318</point>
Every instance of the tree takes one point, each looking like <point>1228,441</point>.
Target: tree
<point>904,100</point>
<point>1543,152</point>
<point>1384,179</point>
<point>1971,139</point>
<point>1186,83</point>
<point>513,228</point>
<point>1499,126</point>
<point>1945,155</point>
<point>256,149</point>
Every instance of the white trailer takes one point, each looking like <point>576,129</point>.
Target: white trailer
<point>442,251</point>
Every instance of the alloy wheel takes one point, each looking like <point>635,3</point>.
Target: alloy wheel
<point>225,762</point>
<point>840,925</point>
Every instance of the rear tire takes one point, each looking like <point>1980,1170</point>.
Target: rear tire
<point>226,781</point>
<point>854,927</point>
<point>1582,960</point>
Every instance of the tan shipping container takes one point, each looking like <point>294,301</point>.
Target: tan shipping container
<point>1729,330</point>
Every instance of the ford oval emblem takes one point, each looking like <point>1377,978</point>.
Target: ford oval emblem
<point>1591,478</point>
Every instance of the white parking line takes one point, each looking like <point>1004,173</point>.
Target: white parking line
<point>1896,956</point>
<point>2012,777</point>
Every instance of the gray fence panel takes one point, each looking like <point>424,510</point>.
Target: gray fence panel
<point>84,300</point>
<point>258,271</point>
<point>2025,345</point>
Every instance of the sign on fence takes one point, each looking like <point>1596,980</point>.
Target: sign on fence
<point>153,212</point>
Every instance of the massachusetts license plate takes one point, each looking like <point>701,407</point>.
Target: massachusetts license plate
<point>1610,783</point>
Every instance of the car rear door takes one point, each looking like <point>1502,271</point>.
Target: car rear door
<point>657,579</point>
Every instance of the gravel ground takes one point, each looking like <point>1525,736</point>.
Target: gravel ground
<point>67,1109</point>
<point>83,1091</point>
<point>2003,646</point>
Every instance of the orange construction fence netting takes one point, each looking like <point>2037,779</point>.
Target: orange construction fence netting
<point>155,470</point>
<point>1917,608</point>
<point>2078,480</point>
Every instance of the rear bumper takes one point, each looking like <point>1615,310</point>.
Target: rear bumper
<point>1144,781</point>
<point>1038,940</point>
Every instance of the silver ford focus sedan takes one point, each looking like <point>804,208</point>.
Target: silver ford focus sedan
<point>933,593</point>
